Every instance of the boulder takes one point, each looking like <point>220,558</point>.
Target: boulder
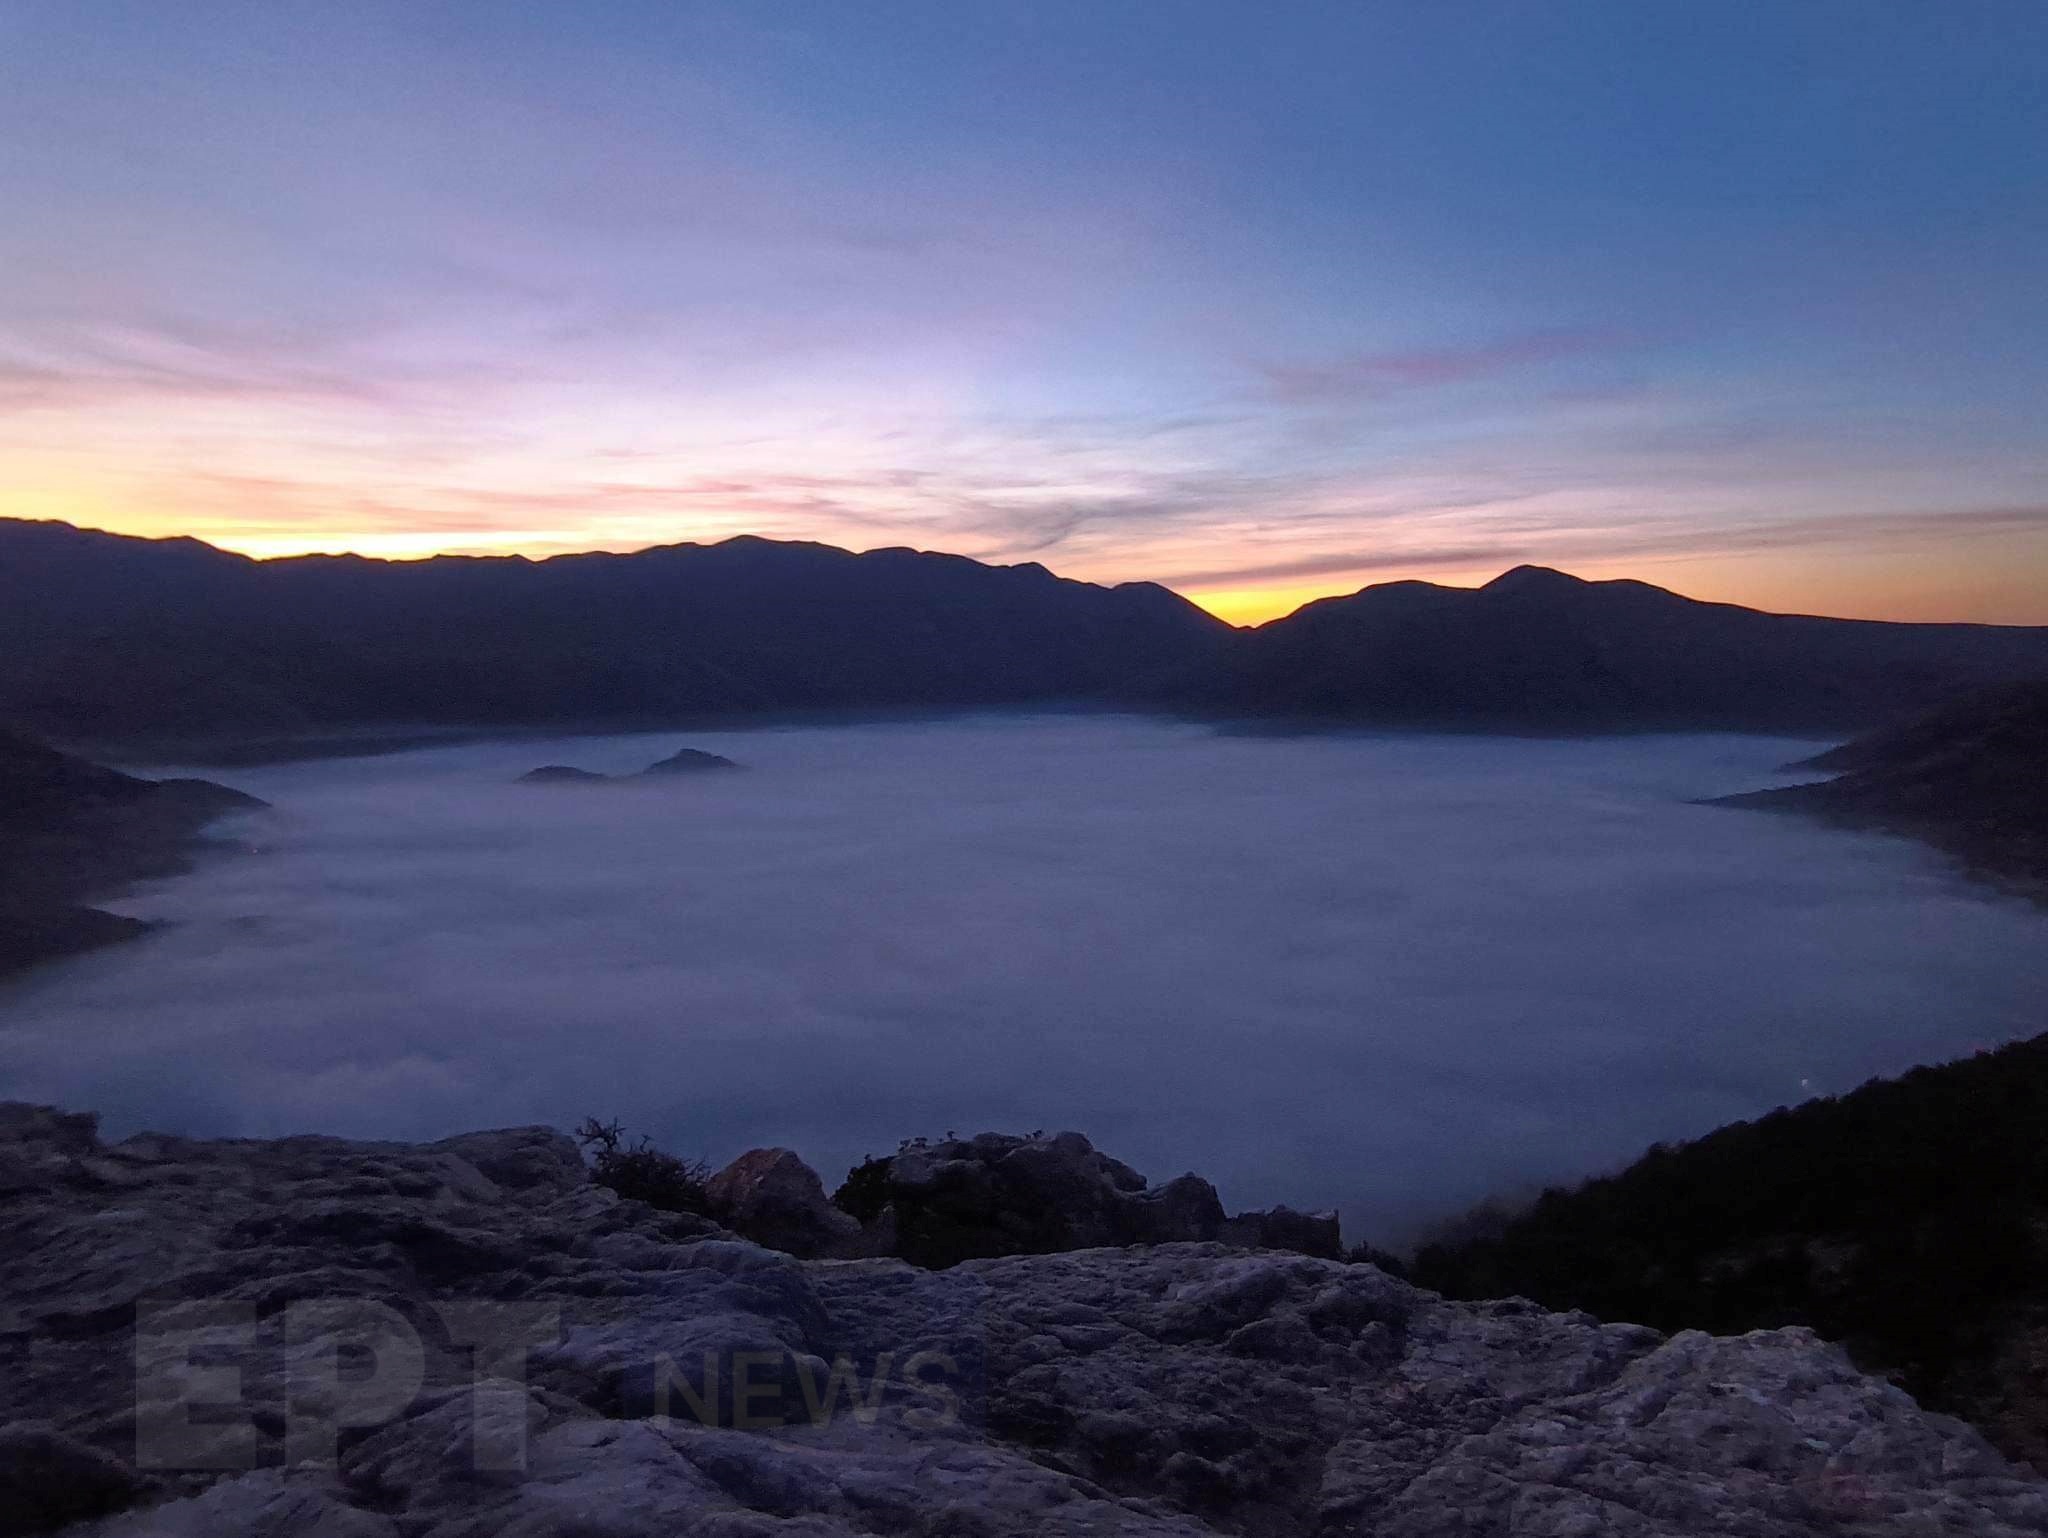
<point>1282,1228</point>
<point>775,1199</point>
<point>1185,1208</point>
<point>535,1159</point>
<point>1001,1194</point>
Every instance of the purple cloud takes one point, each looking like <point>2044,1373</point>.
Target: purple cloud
<point>1375,374</point>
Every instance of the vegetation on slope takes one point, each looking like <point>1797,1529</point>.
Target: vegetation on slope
<point>1971,779</point>
<point>1908,1220</point>
<point>69,829</point>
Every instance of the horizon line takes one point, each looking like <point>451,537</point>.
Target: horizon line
<point>256,559</point>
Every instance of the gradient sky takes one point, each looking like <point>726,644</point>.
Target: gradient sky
<point>1748,299</point>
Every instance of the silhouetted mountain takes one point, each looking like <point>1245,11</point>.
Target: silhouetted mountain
<point>69,828</point>
<point>682,763</point>
<point>689,761</point>
<point>107,637</point>
<point>562,774</point>
<point>103,636</point>
<point>1971,779</point>
<point>1908,1220</point>
<point>1539,649</point>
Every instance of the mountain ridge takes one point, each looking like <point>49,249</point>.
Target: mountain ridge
<point>1540,649</point>
<point>105,637</point>
<point>109,639</point>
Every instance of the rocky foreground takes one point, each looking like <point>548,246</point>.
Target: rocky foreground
<point>365,1340</point>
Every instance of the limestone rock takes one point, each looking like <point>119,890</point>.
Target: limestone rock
<point>1282,1228</point>
<point>1000,1194</point>
<point>587,1365</point>
<point>773,1198</point>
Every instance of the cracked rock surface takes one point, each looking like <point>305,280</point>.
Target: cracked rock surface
<point>467,1338</point>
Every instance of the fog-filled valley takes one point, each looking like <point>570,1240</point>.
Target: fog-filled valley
<point>1393,974</point>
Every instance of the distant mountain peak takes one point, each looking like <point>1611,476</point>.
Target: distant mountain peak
<point>1534,579</point>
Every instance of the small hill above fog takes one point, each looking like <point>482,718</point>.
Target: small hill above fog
<point>1971,778</point>
<point>681,763</point>
<point>1540,649</point>
<point>689,761</point>
<point>69,828</point>
<point>562,774</point>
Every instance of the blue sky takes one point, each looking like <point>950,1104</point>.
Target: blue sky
<point>1263,301</point>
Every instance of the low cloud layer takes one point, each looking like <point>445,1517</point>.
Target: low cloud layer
<point>1390,974</point>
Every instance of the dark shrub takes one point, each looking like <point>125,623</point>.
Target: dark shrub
<point>642,1172</point>
<point>865,1191</point>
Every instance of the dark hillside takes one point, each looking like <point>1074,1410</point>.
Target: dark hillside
<point>1908,1220</point>
<point>103,636</point>
<point>1540,650</point>
<point>1971,779</point>
<point>107,638</point>
<point>69,829</point>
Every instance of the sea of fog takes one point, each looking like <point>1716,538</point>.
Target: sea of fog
<point>1393,974</point>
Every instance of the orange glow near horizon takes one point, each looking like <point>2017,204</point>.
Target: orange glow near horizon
<point>544,470</point>
<point>1257,605</point>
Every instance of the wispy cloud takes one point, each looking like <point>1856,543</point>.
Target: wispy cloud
<point>1377,374</point>
<point>1341,562</point>
<point>275,441</point>
<point>81,366</point>
<point>1557,538</point>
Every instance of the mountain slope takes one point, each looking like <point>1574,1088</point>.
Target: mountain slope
<point>1908,1220</point>
<point>69,828</point>
<point>1539,649</point>
<point>1971,779</point>
<point>107,636</point>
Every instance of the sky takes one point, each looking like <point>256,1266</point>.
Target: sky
<point>1263,302</point>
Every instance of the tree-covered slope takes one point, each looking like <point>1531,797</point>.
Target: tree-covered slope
<point>1908,1219</point>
